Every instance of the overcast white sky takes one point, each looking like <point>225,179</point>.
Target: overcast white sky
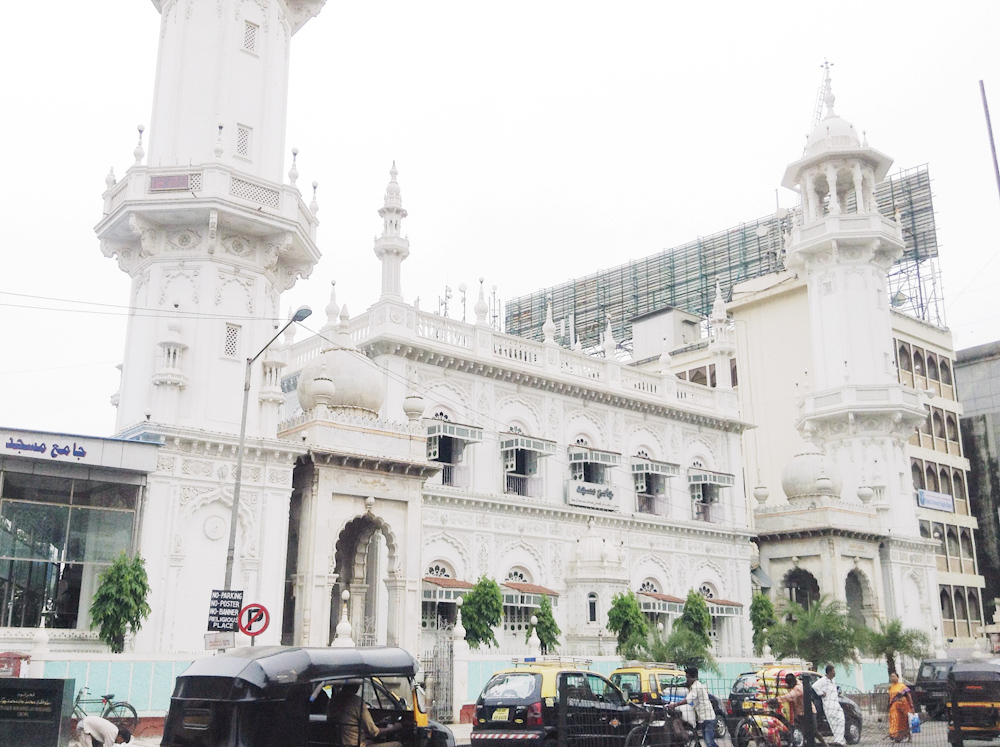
<point>535,141</point>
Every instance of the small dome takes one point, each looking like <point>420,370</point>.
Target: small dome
<point>358,384</point>
<point>809,473</point>
<point>833,133</point>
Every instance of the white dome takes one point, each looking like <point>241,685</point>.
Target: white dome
<point>593,548</point>
<point>809,474</point>
<point>833,133</point>
<point>358,384</point>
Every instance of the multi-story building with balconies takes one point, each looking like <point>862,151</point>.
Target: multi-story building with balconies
<point>554,472</point>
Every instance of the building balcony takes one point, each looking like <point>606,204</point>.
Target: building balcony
<point>523,485</point>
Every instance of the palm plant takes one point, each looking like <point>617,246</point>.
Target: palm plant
<point>892,640</point>
<point>821,634</point>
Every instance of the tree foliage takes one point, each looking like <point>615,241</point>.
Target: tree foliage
<point>547,629</point>
<point>482,610</point>
<point>626,619</point>
<point>119,604</point>
<point>683,647</point>
<point>892,640</point>
<point>696,618</point>
<point>822,634</point>
<point>761,618</point>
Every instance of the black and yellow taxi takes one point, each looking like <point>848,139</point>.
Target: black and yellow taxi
<point>650,683</point>
<point>530,700</point>
<point>973,700</point>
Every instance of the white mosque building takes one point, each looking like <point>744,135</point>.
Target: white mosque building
<point>399,455</point>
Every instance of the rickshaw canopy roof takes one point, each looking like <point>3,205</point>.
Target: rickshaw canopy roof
<point>977,669</point>
<point>275,666</point>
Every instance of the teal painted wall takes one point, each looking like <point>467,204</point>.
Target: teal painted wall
<point>147,685</point>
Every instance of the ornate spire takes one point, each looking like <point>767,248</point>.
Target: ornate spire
<point>481,308</point>
<point>719,305</point>
<point>828,97</point>
<point>610,344</point>
<point>392,247</point>
<point>314,205</point>
<point>332,308</point>
<point>549,327</point>
<point>139,153</point>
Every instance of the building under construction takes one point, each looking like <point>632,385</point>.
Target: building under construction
<point>685,277</point>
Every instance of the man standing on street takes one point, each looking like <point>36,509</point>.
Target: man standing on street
<point>99,732</point>
<point>704,713</point>
<point>827,690</point>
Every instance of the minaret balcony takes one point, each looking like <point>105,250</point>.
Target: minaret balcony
<point>864,407</point>
<point>191,194</point>
<point>848,230</point>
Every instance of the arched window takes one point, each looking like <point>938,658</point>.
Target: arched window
<point>947,609</point>
<point>931,479</point>
<point>440,569</point>
<point>707,591</point>
<point>854,593</point>
<point>967,549</point>
<point>442,415</point>
<point>918,363</point>
<point>974,613</point>
<point>932,368</point>
<point>953,545</point>
<point>952,428</point>
<point>649,586</point>
<point>960,609</point>
<point>592,607</point>
<point>944,481</point>
<point>959,487</point>
<point>937,422</point>
<point>519,575</point>
<point>918,475</point>
<point>904,359</point>
<point>945,373</point>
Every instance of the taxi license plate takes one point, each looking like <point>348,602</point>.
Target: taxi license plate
<point>500,714</point>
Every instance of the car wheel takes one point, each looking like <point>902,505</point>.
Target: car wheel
<point>852,731</point>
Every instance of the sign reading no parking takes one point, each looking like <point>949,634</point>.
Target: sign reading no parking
<point>254,619</point>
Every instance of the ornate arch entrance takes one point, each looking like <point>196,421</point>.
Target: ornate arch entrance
<point>366,564</point>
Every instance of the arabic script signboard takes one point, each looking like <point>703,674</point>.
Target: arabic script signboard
<point>224,610</point>
<point>35,712</point>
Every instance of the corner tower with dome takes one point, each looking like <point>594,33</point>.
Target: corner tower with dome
<point>849,528</point>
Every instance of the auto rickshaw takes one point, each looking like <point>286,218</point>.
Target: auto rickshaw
<point>277,696</point>
<point>974,700</point>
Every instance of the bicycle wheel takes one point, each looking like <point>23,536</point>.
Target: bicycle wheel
<point>122,714</point>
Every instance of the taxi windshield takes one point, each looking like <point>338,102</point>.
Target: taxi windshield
<point>519,685</point>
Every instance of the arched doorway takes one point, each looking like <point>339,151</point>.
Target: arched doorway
<point>801,587</point>
<point>857,593</point>
<point>366,566</point>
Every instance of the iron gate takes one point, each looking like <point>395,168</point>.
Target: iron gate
<point>441,673</point>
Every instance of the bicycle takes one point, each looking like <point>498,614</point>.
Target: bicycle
<point>120,713</point>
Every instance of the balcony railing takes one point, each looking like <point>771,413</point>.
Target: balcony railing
<point>455,476</point>
<point>529,487</point>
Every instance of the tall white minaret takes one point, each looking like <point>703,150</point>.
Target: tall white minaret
<point>205,226</point>
<point>392,247</point>
<point>855,410</point>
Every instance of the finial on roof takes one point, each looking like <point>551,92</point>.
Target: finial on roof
<point>665,359</point>
<point>332,308</point>
<point>392,171</point>
<point>549,327</point>
<point>314,205</point>
<point>139,153</point>
<point>217,149</point>
<point>345,315</point>
<point>110,178</point>
<point>481,308</point>
<point>293,173</point>
<point>610,345</point>
<point>828,97</point>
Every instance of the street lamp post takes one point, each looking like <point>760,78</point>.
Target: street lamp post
<point>298,316</point>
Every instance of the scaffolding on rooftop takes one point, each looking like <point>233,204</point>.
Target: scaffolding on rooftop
<point>685,277</point>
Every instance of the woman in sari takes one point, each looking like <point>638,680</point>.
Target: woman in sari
<point>900,708</point>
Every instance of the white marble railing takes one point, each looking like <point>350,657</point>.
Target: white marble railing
<point>516,349</point>
<point>433,327</point>
<point>695,394</point>
<point>305,351</point>
<point>581,364</point>
<point>640,382</point>
<point>315,415</point>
